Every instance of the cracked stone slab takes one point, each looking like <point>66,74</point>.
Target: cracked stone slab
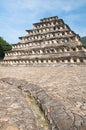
<point>15,114</point>
<point>53,108</point>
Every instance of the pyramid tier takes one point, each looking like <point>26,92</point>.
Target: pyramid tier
<point>48,51</point>
<point>46,61</point>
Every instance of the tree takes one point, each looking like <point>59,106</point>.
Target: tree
<point>83,39</point>
<point>5,45</point>
<point>2,54</point>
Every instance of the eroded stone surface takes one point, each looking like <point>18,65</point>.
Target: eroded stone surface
<point>60,91</point>
<point>15,113</point>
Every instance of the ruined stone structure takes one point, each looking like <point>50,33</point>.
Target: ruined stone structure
<point>51,41</point>
<point>43,80</point>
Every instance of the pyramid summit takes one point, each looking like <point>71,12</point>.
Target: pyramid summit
<point>51,41</point>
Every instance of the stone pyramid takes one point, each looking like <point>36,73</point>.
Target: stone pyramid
<point>50,42</point>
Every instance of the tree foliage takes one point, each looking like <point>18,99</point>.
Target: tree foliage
<point>83,39</point>
<point>4,46</point>
<point>2,53</point>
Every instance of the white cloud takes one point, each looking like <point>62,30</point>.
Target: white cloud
<point>45,4</point>
<point>69,5</point>
<point>39,5</point>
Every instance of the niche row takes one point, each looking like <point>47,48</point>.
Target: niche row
<point>47,42</point>
<point>48,23</point>
<point>44,61</point>
<point>48,29</point>
<point>45,51</point>
<point>49,19</point>
<point>47,36</point>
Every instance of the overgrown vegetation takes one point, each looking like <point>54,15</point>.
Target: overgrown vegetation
<point>4,46</point>
<point>83,39</point>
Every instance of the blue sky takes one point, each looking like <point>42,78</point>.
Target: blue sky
<point>16,16</point>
